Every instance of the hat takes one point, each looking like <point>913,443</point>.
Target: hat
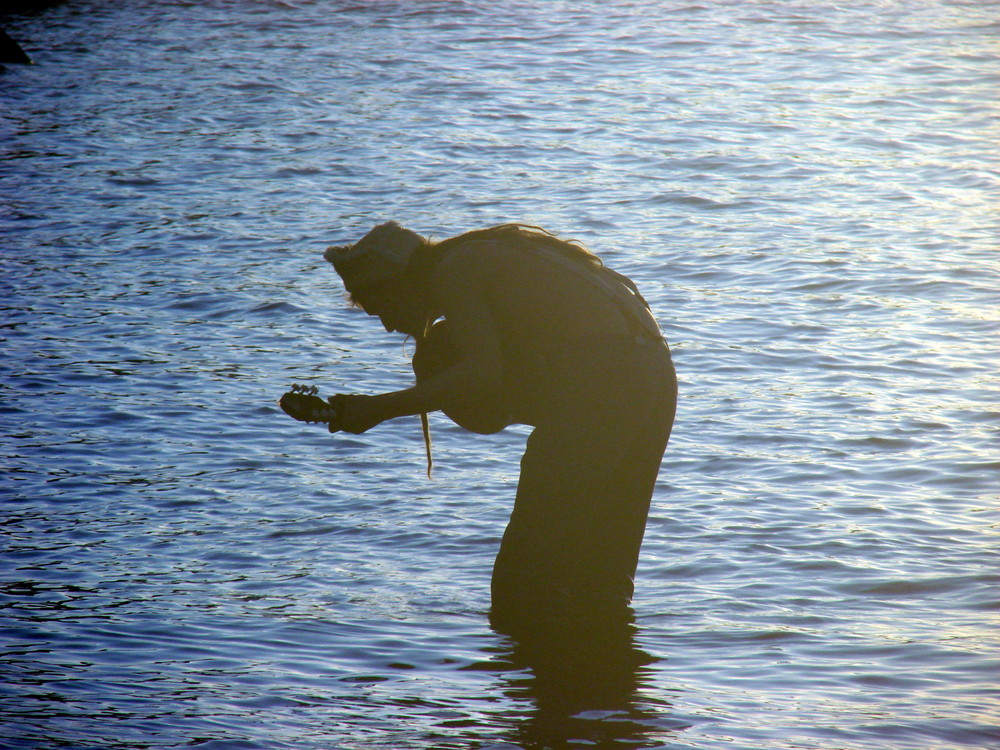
<point>382,254</point>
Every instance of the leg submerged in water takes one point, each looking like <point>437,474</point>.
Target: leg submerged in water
<point>572,545</point>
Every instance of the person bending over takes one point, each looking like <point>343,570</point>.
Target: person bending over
<point>522,327</point>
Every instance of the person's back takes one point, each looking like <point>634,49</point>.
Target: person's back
<point>547,306</point>
<point>539,302</point>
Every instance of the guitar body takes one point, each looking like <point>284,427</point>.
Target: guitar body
<point>434,354</point>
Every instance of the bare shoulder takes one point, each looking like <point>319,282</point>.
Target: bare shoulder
<point>479,265</point>
<point>470,259</point>
<point>459,276</point>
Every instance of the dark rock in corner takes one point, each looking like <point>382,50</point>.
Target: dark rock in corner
<point>10,51</point>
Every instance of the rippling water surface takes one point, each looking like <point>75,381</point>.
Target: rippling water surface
<point>807,194</point>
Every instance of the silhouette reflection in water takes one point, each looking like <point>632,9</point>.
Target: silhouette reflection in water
<point>584,680</point>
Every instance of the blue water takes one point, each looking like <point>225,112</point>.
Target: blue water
<point>807,194</point>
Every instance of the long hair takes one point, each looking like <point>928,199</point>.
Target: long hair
<point>426,258</point>
<point>524,234</point>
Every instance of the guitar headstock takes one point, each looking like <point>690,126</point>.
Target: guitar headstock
<point>302,403</point>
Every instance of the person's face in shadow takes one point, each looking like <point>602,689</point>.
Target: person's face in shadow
<point>398,303</point>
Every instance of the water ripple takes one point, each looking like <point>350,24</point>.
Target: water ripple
<point>805,195</point>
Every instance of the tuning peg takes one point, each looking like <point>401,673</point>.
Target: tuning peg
<point>314,390</point>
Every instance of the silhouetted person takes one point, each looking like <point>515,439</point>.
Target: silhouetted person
<point>537,331</point>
